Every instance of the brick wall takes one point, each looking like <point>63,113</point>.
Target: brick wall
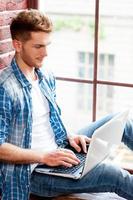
<point>8,9</point>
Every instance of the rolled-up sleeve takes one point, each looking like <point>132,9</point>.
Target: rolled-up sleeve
<point>5,114</point>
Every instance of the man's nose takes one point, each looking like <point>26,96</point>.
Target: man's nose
<point>44,52</point>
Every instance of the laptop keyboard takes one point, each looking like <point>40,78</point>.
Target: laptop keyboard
<point>65,170</point>
<point>71,170</point>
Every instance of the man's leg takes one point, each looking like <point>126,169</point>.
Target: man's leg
<point>103,178</point>
<point>89,130</point>
<point>127,135</point>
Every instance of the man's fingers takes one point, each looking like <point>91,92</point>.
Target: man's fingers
<point>81,144</point>
<point>88,140</point>
<point>75,146</point>
<point>68,157</point>
<point>65,164</point>
<point>70,162</point>
<point>84,141</point>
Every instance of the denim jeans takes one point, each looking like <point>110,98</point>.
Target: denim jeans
<point>105,177</point>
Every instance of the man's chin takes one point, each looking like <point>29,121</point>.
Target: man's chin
<point>39,65</point>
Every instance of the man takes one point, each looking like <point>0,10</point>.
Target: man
<point>31,129</point>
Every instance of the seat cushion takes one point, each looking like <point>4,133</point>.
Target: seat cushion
<point>82,196</point>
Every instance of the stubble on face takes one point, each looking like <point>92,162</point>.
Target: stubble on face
<point>34,50</point>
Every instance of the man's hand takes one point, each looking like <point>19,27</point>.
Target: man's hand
<point>79,142</point>
<point>59,157</point>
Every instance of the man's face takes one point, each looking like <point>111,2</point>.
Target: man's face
<point>33,51</point>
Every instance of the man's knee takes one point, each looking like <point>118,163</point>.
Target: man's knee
<point>128,134</point>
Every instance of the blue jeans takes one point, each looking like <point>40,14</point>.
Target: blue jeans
<point>102,178</point>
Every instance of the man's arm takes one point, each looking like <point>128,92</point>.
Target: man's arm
<point>12,154</point>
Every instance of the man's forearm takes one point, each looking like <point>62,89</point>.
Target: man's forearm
<point>14,154</point>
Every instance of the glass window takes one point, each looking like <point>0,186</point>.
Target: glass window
<point>81,56</point>
<point>110,99</point>
<point>75,100</point>
<point>72,56</point>
<point>116,22</point>
<point>111,60</point>
<point>73,34</point>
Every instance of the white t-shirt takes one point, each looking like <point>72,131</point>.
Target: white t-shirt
<point>43,138</point>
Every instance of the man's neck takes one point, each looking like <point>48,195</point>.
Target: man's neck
<point>28,71</point>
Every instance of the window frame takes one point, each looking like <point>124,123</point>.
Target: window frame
<point>94,82</point>
<point>33,4</point>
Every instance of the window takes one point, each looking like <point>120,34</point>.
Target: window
<point>91,56</point>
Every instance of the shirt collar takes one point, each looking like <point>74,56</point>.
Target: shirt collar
<point>21,77</point>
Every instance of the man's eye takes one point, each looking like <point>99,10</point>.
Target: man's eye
<point>37,46</point>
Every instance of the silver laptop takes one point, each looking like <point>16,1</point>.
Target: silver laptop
<point>103,139</point>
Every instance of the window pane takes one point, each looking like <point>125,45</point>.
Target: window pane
<point>111,99</point>
<point>71,51</point>
<point>75,101</point>
<point>116,40</point>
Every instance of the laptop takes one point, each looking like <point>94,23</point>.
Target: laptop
<point>103,140</point>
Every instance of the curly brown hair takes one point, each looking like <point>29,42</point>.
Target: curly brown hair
<point>29,21</point>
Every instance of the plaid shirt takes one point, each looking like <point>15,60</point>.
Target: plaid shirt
<point>16,125</point>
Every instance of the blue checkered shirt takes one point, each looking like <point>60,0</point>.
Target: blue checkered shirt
<point>16,125</point>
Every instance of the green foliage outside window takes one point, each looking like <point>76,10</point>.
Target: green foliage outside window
<point>77,24</point>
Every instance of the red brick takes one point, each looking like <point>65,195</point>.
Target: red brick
<point>22,4</point>
<point>5,60</point>
<point>16,4</point>
<point>5,17</point>
<point>4,33</point>
<point>13,4</point>
<point>2,19</point>
<point>6,46</point>
<point>2,5</point>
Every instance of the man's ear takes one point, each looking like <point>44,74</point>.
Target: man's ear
<point>17,44</point>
